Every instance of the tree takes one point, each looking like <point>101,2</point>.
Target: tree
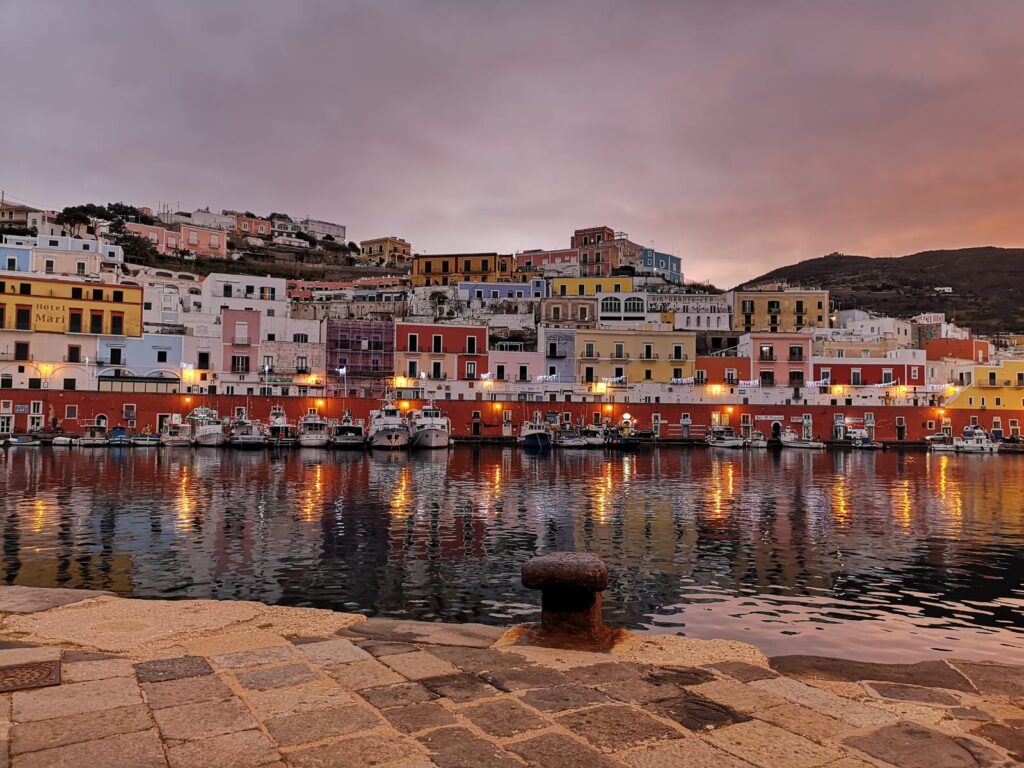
<point>72,219</point>
<point>329,238</point>
<point>282,216</point>
<point>353,246</point>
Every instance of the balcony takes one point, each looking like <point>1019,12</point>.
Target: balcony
<point>774,310</point>
<point>766,358</point>
<point>620,356</point>
<point>558,354</point>
<point>678,358</point>
<point>13,357</point>
<point>240,341</point>
<point>796,358</point>
<point>239,369</point>
<point>588,355</point>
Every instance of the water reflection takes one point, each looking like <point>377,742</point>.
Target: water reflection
<point>793,551</point>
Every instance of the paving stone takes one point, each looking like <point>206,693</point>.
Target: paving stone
<point>397,695</point>
<point>984,755</point>
<point>69,656</point>
<point>359,752</point>
<point>682,676</point>
<point>611,727</point>
<point>503,718</point>
<point>420,665</point>
<point>303,727</point>
<point>1010,739</point>
<point>75,698</point>
<point>28,655</point>
<point>609,672</point>
<point>852,712</point>
<point>849,762</point>
<point>34,599</point>
<point>641,691</point>
<point>553,750</point>
<point>991,678</point>
<point>232,750</point>
<point>695,713</point>
<point>899,692</point>
<point>204,719</point>
<point>804,722</point>
<point>276,677</point>
<point>478,661</point>
<point>254,658</point>
<point>737,696</point>
<point>126,750</point>
<point>519,679</point>
<point>286,701</point>
<point>378,648</point>
<point>564,697</point>
<point>307,640</point>
<point>336,651</point>
<point>459,748</point>
<point>685,753</point>
<point>56,732</point>
<point>364,674</point>
<point>745,673</point>
<point>419,717</point>
<point>188,690</point>
<point>463,635</point>
<point>461,688</point>
<point>767,746</point>
<point>172,669</point>
<point>83,671</point>
<point>931,674</point>
<point>969,713</point>
<point>910,745</point>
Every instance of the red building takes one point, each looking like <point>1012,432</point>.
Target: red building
<point>870,371</point>
<point>721,370</point>
<point>958,349</point>
<point>425,350</point>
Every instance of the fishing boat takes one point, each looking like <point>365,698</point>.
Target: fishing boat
<point>940,442</point>
<point>64,440</point>
<point>23,441</point>
<point>618,439</point>
<point>724,437</point>
<point>348,433</point>
<point>145,439</point>
<point>176,433</point>
<point>119,438</point>
<point>429,428</point>
<point>247,434</point>
<point>94,434</point>
<point>791,439</point>
<point>281,433</point>
<point>207,428</point>
<point>757,440</point>
<point>534,434</point>
<point>569,438</point>
<point>860,440</point>
<point>388,428</point>
<point>593,436</point>
<point>313,431</point>
<point>975,440</point>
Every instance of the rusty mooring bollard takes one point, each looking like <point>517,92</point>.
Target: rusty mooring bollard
<point>571,584</point>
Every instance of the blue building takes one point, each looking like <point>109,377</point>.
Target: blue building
<point>14,258</point>
<point>662,264</point>
<point>153,356</point>
<point>535,289</point>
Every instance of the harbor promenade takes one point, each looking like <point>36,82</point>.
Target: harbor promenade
<point>93,679</point>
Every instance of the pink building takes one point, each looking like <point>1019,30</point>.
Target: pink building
<point>240,336</point>
<point>202,241</point>
<point>252,226</point>
<point>778,359</point>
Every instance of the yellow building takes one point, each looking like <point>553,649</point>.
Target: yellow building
<point>454,268</point>
<point>590,286</point>
<point>387,249</point>
<point>634,355</point>
<point>997,386</point>
<point>62,306</point>
<point>779,309</point>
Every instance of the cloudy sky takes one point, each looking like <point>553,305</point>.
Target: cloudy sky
<point>740,135</point>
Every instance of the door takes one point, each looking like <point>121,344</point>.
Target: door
<point>901,431</point>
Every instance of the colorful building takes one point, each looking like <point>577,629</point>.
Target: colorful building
<point>664,265</point>
<point>385,250</point>
<point>590,286</point>
<point>450,269</point>
<point>430,351</point>
<point>778,359</point>
<point>202,241</point>
<point>779,309</point>
<point>626,356</point>
<point>360,356</point>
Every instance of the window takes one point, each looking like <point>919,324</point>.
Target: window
<point>915,373</point>
<point>239,363</point>
<point>203,361</point>
<point>855,378</point>
<point>500,372</point>
<point>193,237</point>
<point>245,226</point>
<point>611,305</point>
<point>268,363</point>
<point>23,319</point>
<point>414,342</point>
<point>796,378</point>
<point>436,344</point>
<point>35,383</point>
<point>648,351</point>
<point>471,370</point>
<point>523,375</point>
<point>700,377</point>
<point>588,349</point>
<point>767,378</point>
<point>76,293</point>
<point>214,241</point>
<point>767,352</point>
<point>25,289</point>
<point>588,374</point>
<point>70,411</point>
<point>796,352</point>
<point>97,294</point>
<point>677,352</point>
<point>118,296</point>
<point>161,355</point>
<point>48,268</point>
<point>95,322</point>
<point>556,313</point>
<point>619,350</point>
<point>21,350</point>
<point>300,338</point>
<point>74,354</point>
<point>147,305</point>
<point>887,376</point>
<point>6,381</point>
<point>69,384</point>
<point>647,374</point>
<point>115,356</point>
<point>471,345</point>
<point>413,369</point>
<point>116,323</point>
<point>302,364</point>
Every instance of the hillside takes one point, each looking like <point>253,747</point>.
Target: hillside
<point>987,283</point>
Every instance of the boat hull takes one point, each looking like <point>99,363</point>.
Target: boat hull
<point>431,437</point>
<point>248,442</point>
<point>390,439</point>
<point>314,441</point>
<point>727,442</point>
<point>536,440</point>
<point>350,442</point>
<point>211,439</point>
<point>145,441</point>
<point>176,442</point>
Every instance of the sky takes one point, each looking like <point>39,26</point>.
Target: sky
<point>741,136</point>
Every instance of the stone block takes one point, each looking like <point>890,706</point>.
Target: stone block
<point>826,703</point>
<point>360,752</point>
<point>172,669</point>
<point>477,661</point>
<point>32,599</point>
<point>399,630</point>
<point>72,729</point>
<point>378,648</point>
<point>992,678</point>
<point>460,748</point>
<point>255,658</point>
<point>84,671</point>
<point>900,692</point>
<point>522,678</point>
<point>419,717</point>
<point>232,750</point>
<point>745,673</point>
<point>420,665</point>
<point>613,727</point>
<point>737,696</point>
<point>10,657</point>
<point>932,674</point>
<point>564,697</point>
<point>804,722</point>
<point>553,750</point>
<point>503,718</point>
<point>337,651</point>
<point>204,719</point>
<point>610,672</point>
<point>691,753</point>
<point>397,695</point>
<point>276,702</point>
<point>909,745</point>
<point>125,750</point>
<point>317,724</point>
<point>264,678</point>
<point>364,674</point>
<point>75,699</point>
<point>461,688</point>
<point>768,746</point>
<point>187,690</point>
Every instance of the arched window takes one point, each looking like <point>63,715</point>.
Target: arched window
<point>634,304</point>
<point>611,304</point>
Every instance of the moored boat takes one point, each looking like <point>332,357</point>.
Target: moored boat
<point>348,433</point>
<point>146,439</point>
<point>757,440</point>
<point>176,433</point>
<point>313,431</point>
<point>534,434</point>
<point>247,434</point>
<point>207,428</point>
<point>429,428</point>
<point>388,427</point>
<point>94,435</point>
<point>593,436</point>
<point>281,433</point>
<point>860,440</point>
<point>23,441</point>
<point>940,442</point>
<point>724,437</point>
<point>619,440</point>
<point>119,438</point>
<point>975,440</point>
<point>64,440</point>
<point>791,439</point>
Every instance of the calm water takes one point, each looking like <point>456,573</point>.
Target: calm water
<point>861,555</point>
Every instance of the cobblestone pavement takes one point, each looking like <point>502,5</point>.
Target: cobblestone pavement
<point>398,693</point>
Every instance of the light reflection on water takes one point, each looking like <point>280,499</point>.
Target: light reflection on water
<point>872,555</point>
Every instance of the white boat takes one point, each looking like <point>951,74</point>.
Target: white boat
<point>176,433</point>
<point>860,440</point>
<point>757,440</point>
<point>23,441</point>
<point>593,436</point>
<point>724,437</point>
<point>146,440</point>
<point>247,434</point>
<point>429,428</point>
<point>94,435</point>
<point>940,442</point>
<point>65,441</point>
<point>388,428</point>
<point>975,440</point>
<point>348,433</point>
<point>207,428</point>
<point>534,434</point>
<point>791,439</point>
<point>313,432</point>
<point>569,438</point>
<point>280,432</point>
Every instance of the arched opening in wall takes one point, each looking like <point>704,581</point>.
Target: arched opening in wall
<point>101,419</point>
<point>776,430</point>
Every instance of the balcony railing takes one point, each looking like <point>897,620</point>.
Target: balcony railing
<point>620,356</point>
<point>766,358</point>
<point>652,356</point>
<point>240,341</point>
<point>13,357</point>
<point>796,358</point>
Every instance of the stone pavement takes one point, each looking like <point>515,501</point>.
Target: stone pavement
<point>199,683</point>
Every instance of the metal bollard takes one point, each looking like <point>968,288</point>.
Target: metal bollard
<point>571,584</point>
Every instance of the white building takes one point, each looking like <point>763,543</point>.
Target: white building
<point>321,229</point>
